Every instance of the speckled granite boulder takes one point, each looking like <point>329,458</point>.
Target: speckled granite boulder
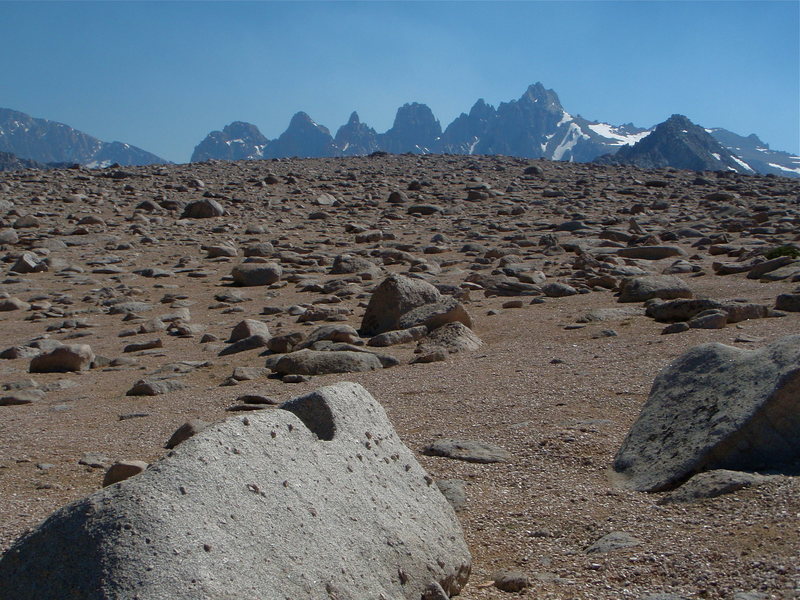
<point>318,500</point>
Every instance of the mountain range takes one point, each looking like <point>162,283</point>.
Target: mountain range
<point>48,142</point>
<point>535,125</point>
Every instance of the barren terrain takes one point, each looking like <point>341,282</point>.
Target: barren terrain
<point>548,385</point>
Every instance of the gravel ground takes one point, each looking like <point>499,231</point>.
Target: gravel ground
<point>556,396</point>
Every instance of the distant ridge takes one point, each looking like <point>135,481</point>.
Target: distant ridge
<point>9,162</point>
<point>535,125</point>
<point>678,143</point>
<point>46,141</point>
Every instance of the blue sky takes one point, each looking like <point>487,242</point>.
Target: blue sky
<point>161,75</point>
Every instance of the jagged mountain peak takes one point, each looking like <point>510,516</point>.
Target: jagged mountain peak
<point>481,110</point>
<point>304,137</point>
<point>241,129</point>
<point>237,141</point>
<point>356,138</point>
<point>677,120</point>
<point>302,120</point>
<point>538,94</point>
<point>415,112</point>
<point>415,130</point>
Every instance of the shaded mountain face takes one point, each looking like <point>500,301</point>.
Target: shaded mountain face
<point>9,162</point>
<point>356,138</point>
<point>237,141</point>
<point>415,130</point>
<point>305,138</point>
<point>757,154</point>
<point>50,142</point>
<point>534,126</point>
<point>678,143</point>
<point>521,126</point>
<point>463,134</point>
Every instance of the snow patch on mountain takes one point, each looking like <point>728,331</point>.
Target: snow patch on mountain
<point>573,136</point>
<point>613,133</point>
<point>787,169</point>
<point>741,163</point>
<point>565,118</point>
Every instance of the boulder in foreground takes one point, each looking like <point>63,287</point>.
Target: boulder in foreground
<point>318,500</point>
<point>716,407</point>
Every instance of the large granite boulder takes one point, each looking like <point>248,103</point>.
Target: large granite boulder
<point>646,287</point>
<point>255,274</point>
<point>317,499</point>
<point>352,263</point>
<point>716,407</point>
<point>395,296</point>
<point>436,314</point>
<point>316,362</point>
<point>452,337</point>
<point>205,208</point>
<point>63,358</point>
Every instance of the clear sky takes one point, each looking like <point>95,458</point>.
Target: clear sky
<point>162,75</point>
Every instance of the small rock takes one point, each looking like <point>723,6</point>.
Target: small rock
<point>616,540</point>
<point>20,397</point>
<point>123,470</point>
<point>511,581</point>
<point>203,209</point>
<point>675,328</point>
<point>399,336</point>
<point>557,289</point>
<point>455,491</point>
<point>248,327</point>
<point>249,343</point>
<point>712,484</point>
<point>788,302</point>
<point>650,252</point>
<point>95,460</point>
<point>467,450</point>
<point>155,387</point>
<point>149,345</point>
<point>709,319</point>
<point>185,431</point>
<point>431,355</point>
<point>9,304</point>
<point>295,378</point>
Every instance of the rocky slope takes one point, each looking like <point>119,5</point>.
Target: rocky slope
<point>51,142</point>
<point>541,299</point>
